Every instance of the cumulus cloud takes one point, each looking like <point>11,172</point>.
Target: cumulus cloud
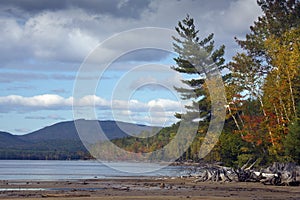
<point>164,104</point>
<point>43,38</point>
<point>158,112</point>
<point>225,18</point>
<point>58,36</point>
<point>11,40</point>
<point>153,119</point>
<point>66,31</point>
<point>53,36</point>
<point>247,10</point>
<point>55,102</point>
<point>42,101</point>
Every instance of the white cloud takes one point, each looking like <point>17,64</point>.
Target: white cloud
<point>50,35</point>
<point>42,101</point>
<point>164,104</point>
<point>154,111</point>
<point>10,31</point>
<point>56,36</point>
<point>60,35</point>
<point>239,16</point>
<point>11,40</point>
<point>90,100</point>
<point>69,34</point>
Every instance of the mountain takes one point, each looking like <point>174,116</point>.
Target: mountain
<point>8,140</point>
<point>89,129</point>
<point>61,140</point>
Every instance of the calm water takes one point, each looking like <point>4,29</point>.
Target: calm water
<point>61,170</point>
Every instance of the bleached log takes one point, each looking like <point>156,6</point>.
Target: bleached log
<point>277,174</point>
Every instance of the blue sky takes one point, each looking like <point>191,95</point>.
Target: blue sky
<point>43,46</point>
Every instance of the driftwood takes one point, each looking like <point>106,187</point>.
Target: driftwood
<point>64,195</point>
<point>277,174</point>
<point>281,174</point>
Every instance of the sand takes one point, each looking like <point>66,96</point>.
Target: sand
<point>142,188</point>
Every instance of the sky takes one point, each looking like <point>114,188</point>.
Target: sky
<point>112,55</point>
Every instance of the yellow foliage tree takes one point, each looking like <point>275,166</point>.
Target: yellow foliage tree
<point>279,90</point>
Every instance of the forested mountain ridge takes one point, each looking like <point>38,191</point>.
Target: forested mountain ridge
<point>61,140</point>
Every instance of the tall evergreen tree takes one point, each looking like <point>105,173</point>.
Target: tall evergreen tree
<point>200,64</point>
<point>198,60</point>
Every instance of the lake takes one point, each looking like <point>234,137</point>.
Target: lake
<point>64,170</point>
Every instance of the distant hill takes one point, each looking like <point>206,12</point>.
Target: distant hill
<point>61,140</point>
<point>8,140</point>
<point>67,130</point>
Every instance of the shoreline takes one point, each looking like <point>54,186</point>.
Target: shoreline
<point>142,188</point>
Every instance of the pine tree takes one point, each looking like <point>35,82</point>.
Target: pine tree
<point>200,64</point>
<point>198,60</point>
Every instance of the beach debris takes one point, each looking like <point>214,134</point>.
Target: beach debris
<point>64,195</point>
<point>287,174</point>
<point>125,188</point>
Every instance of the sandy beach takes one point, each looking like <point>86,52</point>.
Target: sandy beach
<point>142,188</point>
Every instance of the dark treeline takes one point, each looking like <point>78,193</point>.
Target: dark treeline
<point>43,155</point>
<point>46,150</point>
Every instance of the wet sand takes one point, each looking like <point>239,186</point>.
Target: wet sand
<point>142,188</point>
